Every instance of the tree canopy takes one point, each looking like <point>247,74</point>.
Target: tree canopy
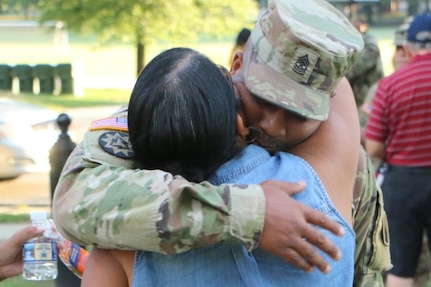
<point>144,21</point>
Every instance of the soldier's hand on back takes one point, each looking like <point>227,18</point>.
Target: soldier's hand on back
<point>288,230</point>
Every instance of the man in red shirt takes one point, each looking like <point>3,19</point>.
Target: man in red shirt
<point>399,133</point>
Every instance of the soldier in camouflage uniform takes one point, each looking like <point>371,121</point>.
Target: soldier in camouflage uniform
<point>89,208</point>
<point>369,218</point>
<point>367,70</point>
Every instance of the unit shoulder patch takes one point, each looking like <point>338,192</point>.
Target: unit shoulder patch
<point>117,143</point>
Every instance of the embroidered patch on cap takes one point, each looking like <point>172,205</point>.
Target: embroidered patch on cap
<point>111,123</point>
<point>302,64</point>
<point>117,143</point>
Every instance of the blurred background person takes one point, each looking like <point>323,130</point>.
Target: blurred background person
<point>399,59</point>
<point>398,134</point>
<point>240,41</point>
<point>367,70</point>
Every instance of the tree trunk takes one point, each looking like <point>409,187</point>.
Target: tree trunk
<point>140,57</point>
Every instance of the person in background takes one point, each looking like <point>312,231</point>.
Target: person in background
<point>367,70</point>
<point>11,251</point>
<point>399,59</point>
<point>240,41</point>
<point>397,134</point>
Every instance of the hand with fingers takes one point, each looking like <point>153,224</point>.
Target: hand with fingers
<point>11,251</point>
<point>289,232</point>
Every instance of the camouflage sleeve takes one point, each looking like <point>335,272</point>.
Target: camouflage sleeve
<point>102,199</point>
<point>370,224</point>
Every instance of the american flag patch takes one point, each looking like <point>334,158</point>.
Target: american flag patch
<point>111,123</point>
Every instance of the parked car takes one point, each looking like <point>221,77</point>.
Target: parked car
<point>27,132</point>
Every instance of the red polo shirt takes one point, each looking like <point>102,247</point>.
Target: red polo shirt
<point>401,114</point>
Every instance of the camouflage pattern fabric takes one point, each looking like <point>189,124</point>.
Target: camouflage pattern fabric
<point>155,211</point>
<point>367,70</point>
<point>372,255</point>
<point>297,54</point>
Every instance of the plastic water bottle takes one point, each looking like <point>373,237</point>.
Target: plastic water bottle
<point>73,256</point>
<point>40,253</point>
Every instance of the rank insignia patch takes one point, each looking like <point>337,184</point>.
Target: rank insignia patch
<point>117,143</point>
<point>302,64</point>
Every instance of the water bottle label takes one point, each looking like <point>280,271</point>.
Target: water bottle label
<point>39,251</point>
<point>74,257</point>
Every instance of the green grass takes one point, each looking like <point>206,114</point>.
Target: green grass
<point>18,281</point>
<point>14,218</point>
<point>91,98</point>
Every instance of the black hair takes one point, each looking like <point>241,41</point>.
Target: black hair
<point>242,37</point>
<point>182,114</point>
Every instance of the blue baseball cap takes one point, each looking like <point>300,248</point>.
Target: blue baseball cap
<point>420,29</point>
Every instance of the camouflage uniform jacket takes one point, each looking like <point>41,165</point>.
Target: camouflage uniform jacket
<point>367,70</point>
<point>156,212</point>
<point>372,255</point>
<point>88,207</point>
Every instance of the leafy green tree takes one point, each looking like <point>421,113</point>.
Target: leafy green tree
<point>18,6</point>
<point>144,21</point>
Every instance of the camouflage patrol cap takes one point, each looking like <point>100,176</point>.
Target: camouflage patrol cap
<point>298,52</point>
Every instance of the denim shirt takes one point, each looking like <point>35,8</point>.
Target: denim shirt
<point>224,265</point>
